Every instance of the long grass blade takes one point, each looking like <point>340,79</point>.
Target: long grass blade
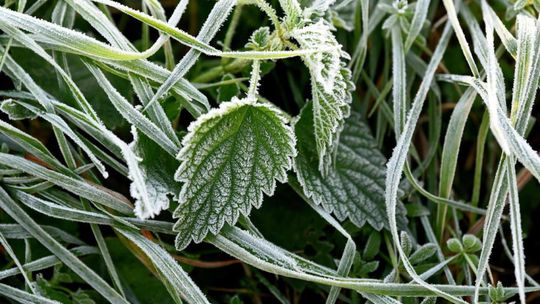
<point>178,279</point>
<point>396,163</point>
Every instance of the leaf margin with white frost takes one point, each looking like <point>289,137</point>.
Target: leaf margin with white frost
<point>158,186</point>
<point>308,176</point>
<point>186,155</point>
<point>330,92</point>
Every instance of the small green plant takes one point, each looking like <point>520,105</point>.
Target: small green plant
<point>279,139</point>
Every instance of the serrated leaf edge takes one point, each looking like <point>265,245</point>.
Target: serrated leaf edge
<point>224,109</point>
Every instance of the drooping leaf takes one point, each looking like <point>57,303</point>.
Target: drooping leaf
<point>157,168</point>
<point>330,86</point>
<point>231,156</point>
<point>354,186</point>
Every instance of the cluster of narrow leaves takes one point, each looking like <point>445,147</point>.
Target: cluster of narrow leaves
<point>209,176</point>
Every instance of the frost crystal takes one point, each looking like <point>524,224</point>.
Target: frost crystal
<point>230,157</point>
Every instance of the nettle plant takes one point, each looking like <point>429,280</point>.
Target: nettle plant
<point>76,73</point>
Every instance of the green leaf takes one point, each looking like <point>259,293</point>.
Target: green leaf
<point>231,155</point>
<point>354,186</point>
<point>330,87</point>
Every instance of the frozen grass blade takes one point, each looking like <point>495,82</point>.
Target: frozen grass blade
<point>71,184</point>
<point>13,256</point>
<point>399,87</point>
<point>450,152</point>
<point>215,19</point>
<point>178,280</point>
<point>396,163</point>
<point>453,18</point>
<point>68,258</point>
<point>515,226</point>
<point>22,296</point>
<point>420,14</point>
<point>131,114</point>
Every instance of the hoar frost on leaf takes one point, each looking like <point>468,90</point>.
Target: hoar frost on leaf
<point>354,186</point>
<point>157,169</point>
<point>331,86</point>
<point>230,157</point>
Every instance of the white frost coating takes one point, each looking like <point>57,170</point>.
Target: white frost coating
<point>230,157</point>
<point>170,270</point>
<point>263,249</point>
<point>324,66</point>
<point>150,198</point>
<point>318,7</point>
<point>291,7</point>
<point>330,85</point>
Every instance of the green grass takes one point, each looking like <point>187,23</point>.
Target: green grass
<point>245,151</point>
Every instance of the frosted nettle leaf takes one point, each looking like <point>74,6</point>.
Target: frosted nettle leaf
<point>318,7</point>
<point>291,8</point>
<point>157,168</point>
<point>330,85</point>
<point>230,157</point>
<point>354,186</point>
<point>259,39</point>
<point>324,66</point>
<point>263,39</point>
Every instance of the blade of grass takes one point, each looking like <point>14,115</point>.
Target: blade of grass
<point>399,156</point>
<point>46,262</point>
<point>453,18</point>
<point>177,279</point>
<point>215,19</point>
<point>13,256</point>
<point>68,258</point>
<point>22,296</point>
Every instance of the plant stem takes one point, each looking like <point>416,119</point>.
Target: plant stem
<point>255,78</point>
